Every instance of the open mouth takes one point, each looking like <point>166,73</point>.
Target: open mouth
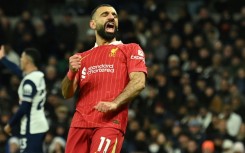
<point>110,27</point>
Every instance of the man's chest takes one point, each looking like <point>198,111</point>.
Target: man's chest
<point>102,64</point>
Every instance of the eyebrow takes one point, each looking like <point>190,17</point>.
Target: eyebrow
<point>107,12</point>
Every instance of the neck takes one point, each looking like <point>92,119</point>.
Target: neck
<point>30,69</point>
<point>100,41</point>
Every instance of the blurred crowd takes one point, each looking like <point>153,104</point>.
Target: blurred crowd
<point>194,100</point>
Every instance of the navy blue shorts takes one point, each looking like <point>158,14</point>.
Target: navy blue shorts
<point>32,143</point>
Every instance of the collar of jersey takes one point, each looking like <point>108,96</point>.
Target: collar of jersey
<point>112,43</point>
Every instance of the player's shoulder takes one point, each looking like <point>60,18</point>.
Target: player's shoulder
<point>129,46</point>
<point>34,76</point>
<point>83,53</point>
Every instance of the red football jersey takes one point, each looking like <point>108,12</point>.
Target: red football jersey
<point>103,75</point>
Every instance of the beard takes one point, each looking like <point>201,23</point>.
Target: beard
<point>108,36</point>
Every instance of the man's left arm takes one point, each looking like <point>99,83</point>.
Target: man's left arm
<point>24,109</point>
<point>29,91</point>
<point>134,87</point>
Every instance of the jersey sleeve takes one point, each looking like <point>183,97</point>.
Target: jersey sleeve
<point>29,91</point>
<point>136,59</point>
<point>12,66</point>
<point>24,108</point>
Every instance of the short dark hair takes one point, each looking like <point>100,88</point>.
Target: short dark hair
<point>95,9</point>
<point>34,54</point>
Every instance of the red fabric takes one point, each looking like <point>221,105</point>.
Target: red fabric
<point>103,140</point>
<point>102,77</point>
<point>71,75</point>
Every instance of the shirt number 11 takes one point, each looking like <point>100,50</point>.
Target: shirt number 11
<point>102,141</point>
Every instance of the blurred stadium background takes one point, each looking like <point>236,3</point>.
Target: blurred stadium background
<point>195,54</point>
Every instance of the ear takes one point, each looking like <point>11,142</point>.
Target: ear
<point>92,24</point>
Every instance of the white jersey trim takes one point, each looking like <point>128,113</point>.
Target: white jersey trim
<point>112,43</point>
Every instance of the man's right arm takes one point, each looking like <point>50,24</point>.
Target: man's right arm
<point>10,65</point>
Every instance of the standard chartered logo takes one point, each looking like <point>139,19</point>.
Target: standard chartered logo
<point>107,68</point>
<point>83,76</point>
